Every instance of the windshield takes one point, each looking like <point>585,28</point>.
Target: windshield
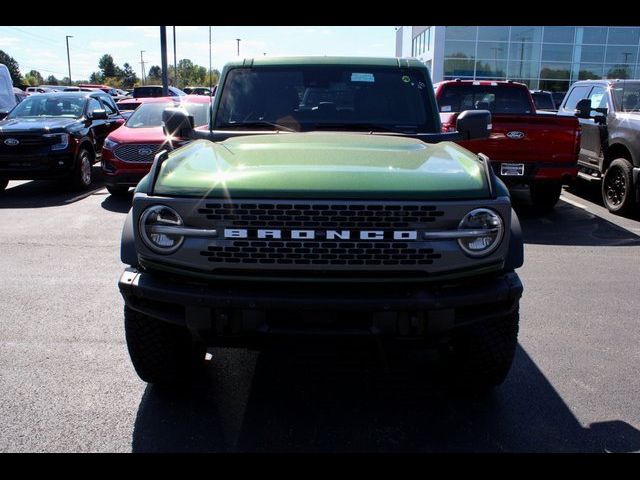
<point>150,114</point>
<point>543,101</point>
<point>49,105</point>
<point>342,97</point>
<point>457,98</point>
<point>626,96</point>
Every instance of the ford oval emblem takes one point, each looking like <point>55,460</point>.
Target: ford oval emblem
<point>516,135</point>
<point>12,142</point>
<point>145,151</point>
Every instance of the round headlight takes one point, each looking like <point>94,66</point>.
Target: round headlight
<point>485,231</point>
<point>156,225</point>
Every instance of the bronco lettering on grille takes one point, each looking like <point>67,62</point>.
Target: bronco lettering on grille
<point>328,234</point>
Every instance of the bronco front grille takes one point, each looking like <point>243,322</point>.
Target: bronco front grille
<point>319,215</point>
<point>137,152</point>
<point>320,253</point>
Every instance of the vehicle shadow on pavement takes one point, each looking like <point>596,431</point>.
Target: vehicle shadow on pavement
<point>284,400</point>
<point>47,193</point>
<point>570,225</point>
<point>118,204</point>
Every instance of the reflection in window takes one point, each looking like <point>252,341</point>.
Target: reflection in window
<point>461,33</point>
<point>460,49</point>
<point>589,71</point>
<point>526,34</point>
<point>623,55</point>
<point>554,85</point>
<point>559,34</point>
<point>524,51</point>
<point>459,67</point>
<point>592,53</point>
<point>557,53</point>
<point>594,35</point>
<point>624,36</point>
<point>559,71</point>
<point>495,34</point>
<point>618,71</point>
<point>492,50</point>
<point>523,69</point>
<point>491,68</point>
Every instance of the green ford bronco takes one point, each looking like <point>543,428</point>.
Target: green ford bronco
<point>323,200</point>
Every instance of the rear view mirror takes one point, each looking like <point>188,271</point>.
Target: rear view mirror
<point>473,124</point>
<point>177,123</point>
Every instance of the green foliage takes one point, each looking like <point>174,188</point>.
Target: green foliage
<point>12,66</point>
<point>107,65</point>
<point>51,80</point>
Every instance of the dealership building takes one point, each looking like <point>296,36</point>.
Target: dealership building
<point>548,58</point>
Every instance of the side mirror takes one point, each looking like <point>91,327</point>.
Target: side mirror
<point>98,115</point>
<point>177,123</point>
<point>583,108</point>
<point>3,115</point>
<point>472,124</point>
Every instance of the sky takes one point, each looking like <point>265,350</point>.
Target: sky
<point>43,48</point>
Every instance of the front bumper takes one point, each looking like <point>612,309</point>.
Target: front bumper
<point>238,314</point>
<point>30,166</point>
<point>538,172</point>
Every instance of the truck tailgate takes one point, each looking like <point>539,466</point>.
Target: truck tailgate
<point>539,138</point>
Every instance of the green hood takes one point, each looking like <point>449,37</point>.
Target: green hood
<point>323,165</point>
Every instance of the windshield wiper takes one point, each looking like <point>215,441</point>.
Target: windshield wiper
<point>372,127</point>
<point>256,123</point>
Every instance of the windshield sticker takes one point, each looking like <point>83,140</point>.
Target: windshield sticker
<point>445,108</point>
<point>362,77</point>
<point>406,78</point>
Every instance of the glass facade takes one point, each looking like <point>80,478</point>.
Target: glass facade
<point>545,57</point>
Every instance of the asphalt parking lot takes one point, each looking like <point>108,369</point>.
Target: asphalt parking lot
<point>67,384</point>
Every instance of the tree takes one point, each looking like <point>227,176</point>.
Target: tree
<point>621,71</point>
<point>36,74</point>
<point>51,80</point>
<point>154,75</point>
<point>107,65</point>
<point>129,78</point>
<point>96,77</point>
<point>12,66</point>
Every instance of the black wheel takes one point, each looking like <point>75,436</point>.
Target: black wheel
<point>162,354</point>
<point>3,184</point>
<point>617,191</point>
<point>81,176</point>
<point>482,354</point>
<point>545,195</point>
<point>118,190</point>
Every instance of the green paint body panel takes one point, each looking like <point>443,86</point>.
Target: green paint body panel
<point>322,165</point>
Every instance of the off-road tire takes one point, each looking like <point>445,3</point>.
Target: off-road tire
<point>118,190</point>
<point>3,184</point>
<point>162,354</point>
<point>481,354</point>
<point>617,187</point>
<point>545,195</point>
<point>79,178</point>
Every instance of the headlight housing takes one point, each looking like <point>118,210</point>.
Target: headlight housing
<point>485,231</point>
<point>63,140</point>
<point>109,144</point>
<point>156,227</point>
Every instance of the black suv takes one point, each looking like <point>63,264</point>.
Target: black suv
<point>56,135</point>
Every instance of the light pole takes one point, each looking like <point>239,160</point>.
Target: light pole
<point>238,40</point>
<point>175,65</point>
<point>68,57</point>
<point>163,52</point>
<point>142,66</point>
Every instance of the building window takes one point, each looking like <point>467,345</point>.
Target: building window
<point>559,34</point>
<point>461,33</point>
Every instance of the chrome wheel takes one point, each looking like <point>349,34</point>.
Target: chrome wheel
<point>85,168</point>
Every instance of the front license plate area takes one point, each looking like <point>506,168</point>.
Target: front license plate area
<point>512,169</point>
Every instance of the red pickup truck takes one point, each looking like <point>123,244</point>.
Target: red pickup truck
<point>535,150</point>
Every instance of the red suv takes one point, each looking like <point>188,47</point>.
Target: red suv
<point>128,152</point>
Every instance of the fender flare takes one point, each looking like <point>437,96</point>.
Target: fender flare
<point>128,253</point>
<point>515,255</point>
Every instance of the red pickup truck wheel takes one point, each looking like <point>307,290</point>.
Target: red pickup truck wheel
<point>616,186</point>
<point>545,195</point>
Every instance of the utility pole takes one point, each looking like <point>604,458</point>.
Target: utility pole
<point>68,57</point>
<point>238,40</point>
<point>163,53</point>
<point>142,65</point>
<point>175,65</point>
